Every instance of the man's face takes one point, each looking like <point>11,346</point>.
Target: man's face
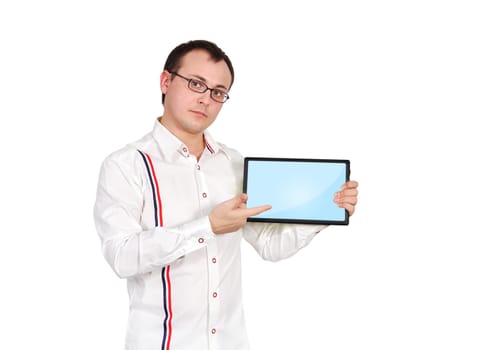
<point>188,111</point>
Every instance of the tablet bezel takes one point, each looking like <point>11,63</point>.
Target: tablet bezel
<point>346,162</point>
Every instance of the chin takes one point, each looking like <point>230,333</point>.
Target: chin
<point>196,127</point>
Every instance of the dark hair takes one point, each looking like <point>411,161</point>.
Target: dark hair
<point>173,62</point>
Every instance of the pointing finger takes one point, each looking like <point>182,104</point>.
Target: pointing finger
<point>247,212</point>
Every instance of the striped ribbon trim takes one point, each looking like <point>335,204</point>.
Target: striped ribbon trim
<point>208,146</point>
<point>165,274</point>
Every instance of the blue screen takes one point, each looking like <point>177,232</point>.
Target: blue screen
<point>296,190</point>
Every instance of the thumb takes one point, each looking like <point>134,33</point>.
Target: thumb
<point>238,200</point>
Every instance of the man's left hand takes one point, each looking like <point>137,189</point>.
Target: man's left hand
<point>347,197</point>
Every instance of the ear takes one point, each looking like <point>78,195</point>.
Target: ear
<point>165,79</point>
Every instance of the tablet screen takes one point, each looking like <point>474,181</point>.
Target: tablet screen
<point>299,190</point>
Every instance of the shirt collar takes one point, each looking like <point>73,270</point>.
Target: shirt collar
<point>170,145</point>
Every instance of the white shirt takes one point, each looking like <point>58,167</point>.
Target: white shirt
<point>184,282</point>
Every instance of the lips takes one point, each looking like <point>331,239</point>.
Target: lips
<point>199,113</point>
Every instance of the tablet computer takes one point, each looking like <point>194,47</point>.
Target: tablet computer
<point>299,190</point>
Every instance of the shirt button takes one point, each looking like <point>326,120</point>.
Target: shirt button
<point>184,150</point>
<point>198,167</point>
<point>215,295</point>
<point>214,260</point>
<point>204,195</point>
<point>213,331</point>
<point>201,240</point>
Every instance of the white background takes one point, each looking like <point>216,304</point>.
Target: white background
<point>397,87</point>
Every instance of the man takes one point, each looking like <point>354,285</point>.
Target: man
<point>170,215</point>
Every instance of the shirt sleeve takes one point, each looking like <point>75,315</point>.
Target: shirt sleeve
<point>129,248</point>
<point>275,241</point>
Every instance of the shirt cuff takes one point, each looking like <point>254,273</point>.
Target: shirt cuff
<point>199,228</point>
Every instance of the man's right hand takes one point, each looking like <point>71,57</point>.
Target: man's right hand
<point>231,215</point>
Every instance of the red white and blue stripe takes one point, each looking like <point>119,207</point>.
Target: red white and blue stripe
<point>210,149</point>
<point>165,274</point>
<point>155,189</point>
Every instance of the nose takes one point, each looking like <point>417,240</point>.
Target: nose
<point>205,97</point>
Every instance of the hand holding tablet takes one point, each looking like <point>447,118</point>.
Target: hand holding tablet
<point>299,190</point>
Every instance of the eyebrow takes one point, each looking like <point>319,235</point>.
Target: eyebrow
<point>219,86</point>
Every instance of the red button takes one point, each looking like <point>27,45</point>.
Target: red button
<point>201,240</point>
<point>204,195</point>
<point>214,260</point>
<point>215,295</point>
<point>213,331</point>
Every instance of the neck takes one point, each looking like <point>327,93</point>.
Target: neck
<point>194,142</point>
<point>195,146</point>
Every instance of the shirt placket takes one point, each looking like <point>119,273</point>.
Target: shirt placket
<point>213,292</point>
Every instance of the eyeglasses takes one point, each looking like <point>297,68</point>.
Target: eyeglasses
<point>197,85</point>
